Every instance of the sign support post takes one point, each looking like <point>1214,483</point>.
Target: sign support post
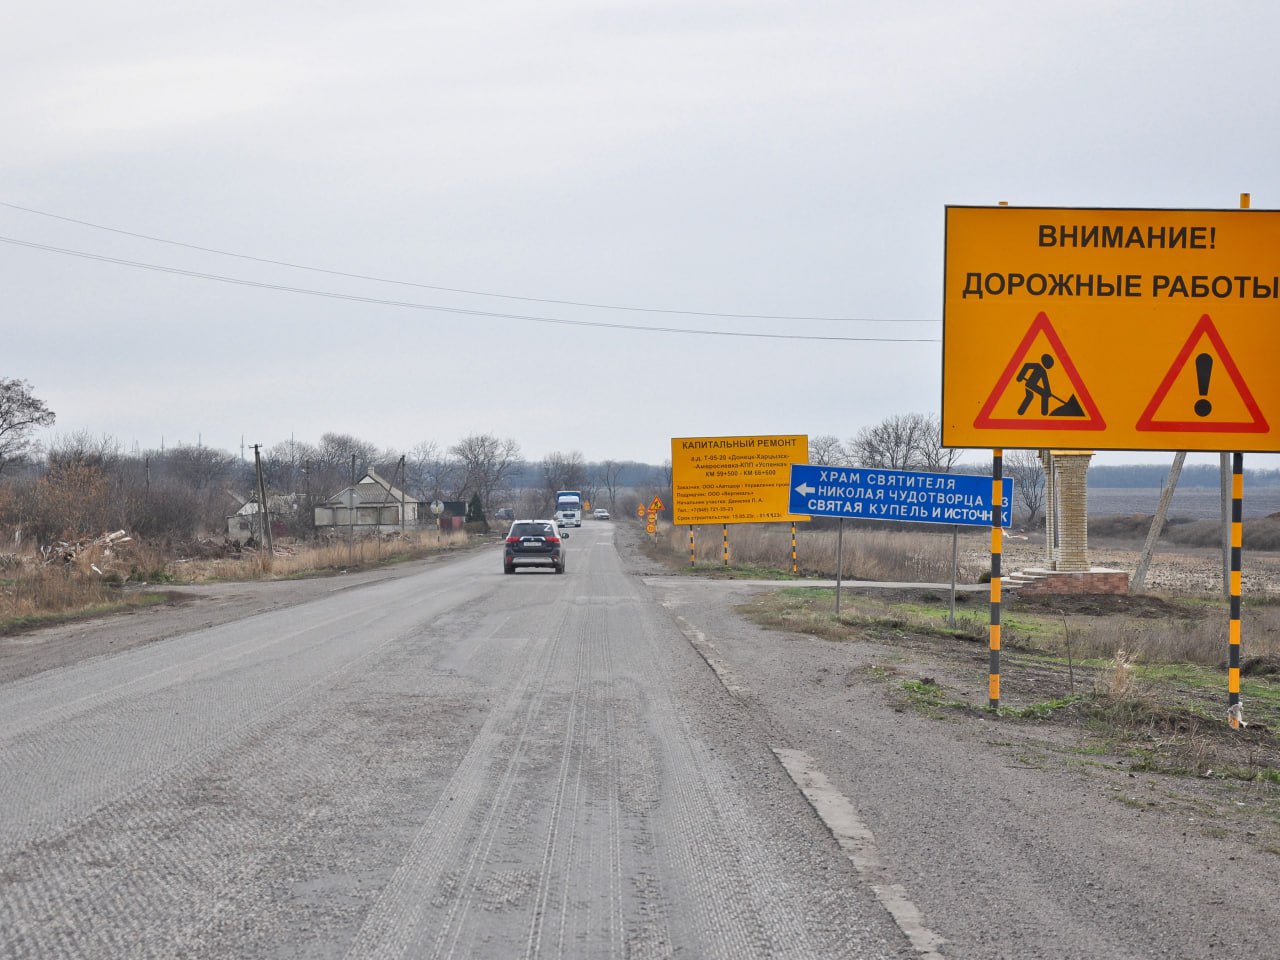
<point>955,552</point>
<point>993,672</point>
<point>1235,711</point>
<point>839,561</point>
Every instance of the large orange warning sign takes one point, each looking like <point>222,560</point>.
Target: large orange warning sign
<point>1111,329</point>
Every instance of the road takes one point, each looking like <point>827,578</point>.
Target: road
<point>438,760</point>
<point>454,763</point>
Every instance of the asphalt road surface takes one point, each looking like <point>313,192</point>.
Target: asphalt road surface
<point>443,761</point>
<point>455,763</point>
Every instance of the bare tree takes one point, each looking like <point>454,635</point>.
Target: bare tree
<point>905,441</point>
<point>827,450</point>
<point>485,463</point>
<point>199,467</point>
<point>83,448</point>
<point>431,472</point>
<point>934,457</point>
<point>607,475</point>
<point>561,471</point>
<point>892,444</point>
<point>285,466</point>
<point>1027,472</point>
<point>20,413</point>
<point>332,466</point>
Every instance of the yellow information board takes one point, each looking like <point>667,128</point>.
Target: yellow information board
<point>1111,329</point>
<point>734,479</point>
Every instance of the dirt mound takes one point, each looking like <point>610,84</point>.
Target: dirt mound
<point>1100,605</point>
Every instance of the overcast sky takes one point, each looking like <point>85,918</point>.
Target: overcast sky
<point>726,157</point>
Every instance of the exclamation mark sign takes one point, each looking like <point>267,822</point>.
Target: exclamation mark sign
<point>1204,370</point>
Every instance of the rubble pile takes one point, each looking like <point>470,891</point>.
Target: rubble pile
<point>210,549</point>
<point>226,549</point>
<point>96,553</point>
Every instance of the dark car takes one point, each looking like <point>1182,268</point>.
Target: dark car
<point>533,543</point>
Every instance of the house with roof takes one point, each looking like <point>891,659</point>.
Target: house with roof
<point>371,506</point>
<point>245,524</point>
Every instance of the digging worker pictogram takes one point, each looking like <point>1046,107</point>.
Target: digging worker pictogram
<point>1035,378</point>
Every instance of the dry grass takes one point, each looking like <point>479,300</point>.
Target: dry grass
<point>33,591</point>
<point>1196,635</point>
<point>868,554</point>
<point>304,559</point>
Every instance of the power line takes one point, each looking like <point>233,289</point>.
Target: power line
<point>333,295</point>
<point>442,289</point>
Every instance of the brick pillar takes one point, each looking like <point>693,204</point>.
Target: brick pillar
<point>1050,510</point>
<point>1073,521</point>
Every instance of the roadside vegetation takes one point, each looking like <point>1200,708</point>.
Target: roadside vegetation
<point>38,589</point>
<point>764,551</point>
<point>1139,680</point>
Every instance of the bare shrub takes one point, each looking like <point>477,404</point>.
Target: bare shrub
<point>1118,681</point>
<point>1198,640</point>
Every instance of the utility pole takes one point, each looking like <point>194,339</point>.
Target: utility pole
<point>262,500</point>
<point>351,515</point>
<point>403,497</point>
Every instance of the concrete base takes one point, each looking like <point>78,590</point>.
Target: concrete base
<point>1035,582</point>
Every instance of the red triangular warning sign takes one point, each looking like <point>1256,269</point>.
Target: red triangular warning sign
<point>1207,396</point>
<point>1040,388</point>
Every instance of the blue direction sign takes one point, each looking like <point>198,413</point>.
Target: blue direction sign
<point>873,494</point>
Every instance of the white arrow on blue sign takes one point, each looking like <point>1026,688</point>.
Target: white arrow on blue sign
<point>874,494</point>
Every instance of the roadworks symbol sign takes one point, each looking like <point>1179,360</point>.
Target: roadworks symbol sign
<point>1040,388</point>
<point>1203,390</point>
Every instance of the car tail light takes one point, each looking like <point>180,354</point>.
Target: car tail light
<point>513,539</point>
<point>552,539</point>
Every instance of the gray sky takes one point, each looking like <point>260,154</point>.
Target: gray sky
<point>780,158</point>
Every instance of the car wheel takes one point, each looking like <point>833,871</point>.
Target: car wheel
<point>508,568</point>
<point>560,567</point>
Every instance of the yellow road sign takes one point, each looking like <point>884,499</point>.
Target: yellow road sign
<point>734,479</point>
<point>656,505</point>
<point>1110,329</point>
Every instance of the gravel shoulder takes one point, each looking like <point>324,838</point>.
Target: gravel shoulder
<point>1014,838</point>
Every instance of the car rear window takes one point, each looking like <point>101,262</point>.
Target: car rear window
<point>531,529</point>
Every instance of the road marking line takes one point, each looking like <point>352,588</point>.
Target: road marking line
<point>707,650</point>
<point>836,811</point>
<point>857,841</point>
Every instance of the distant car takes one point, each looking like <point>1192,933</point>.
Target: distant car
<point>534,543</point>
<point>602,514</point>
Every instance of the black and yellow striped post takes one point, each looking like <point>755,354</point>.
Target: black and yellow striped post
<point>692,555</point>
<point>795,567</point>
<point>1235,711</point>
<point>725,527</point>
<point>997,481</point>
